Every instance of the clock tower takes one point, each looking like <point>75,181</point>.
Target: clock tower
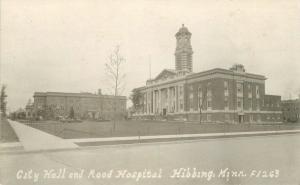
<point>184,51</point>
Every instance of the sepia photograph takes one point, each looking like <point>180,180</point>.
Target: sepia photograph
<point>144,92</point>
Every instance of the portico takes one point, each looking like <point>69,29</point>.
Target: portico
<point>161,100</point>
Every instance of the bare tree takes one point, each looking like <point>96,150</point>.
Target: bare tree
<point>3,102</point>
<point>116,77</point>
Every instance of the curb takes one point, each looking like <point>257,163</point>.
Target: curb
<point>173,138</point>
<point>203,135</point>
<point>94,143</point>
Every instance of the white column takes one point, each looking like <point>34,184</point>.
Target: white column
<point>168,99</point>
<point>176,98</point>
<point>147,102</point>
<point>172,97</point>
<point>154,100</point>
<point>159,100</point>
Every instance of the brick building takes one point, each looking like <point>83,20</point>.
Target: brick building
<point>291,110</point>
<point>85,105</point>
<point>217,95</point>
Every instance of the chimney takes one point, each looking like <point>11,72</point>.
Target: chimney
<point>99,92</point>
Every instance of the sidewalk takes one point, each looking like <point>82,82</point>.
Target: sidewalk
<point>164,138</point>
<point>34,139</point>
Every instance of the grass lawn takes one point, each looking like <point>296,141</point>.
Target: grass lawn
<point>91,129</point>
<point>7,133</point>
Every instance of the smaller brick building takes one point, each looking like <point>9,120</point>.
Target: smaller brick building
<point>291,110</point>
<point>85,105</point>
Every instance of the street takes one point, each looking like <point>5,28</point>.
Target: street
<point>247,160</point>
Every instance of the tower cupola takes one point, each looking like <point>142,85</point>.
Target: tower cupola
<point>184,51</point>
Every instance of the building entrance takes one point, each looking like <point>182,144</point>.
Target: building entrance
<point>241,118</point>
<point>164,111</point>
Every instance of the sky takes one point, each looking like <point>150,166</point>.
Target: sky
<point>63,45</point>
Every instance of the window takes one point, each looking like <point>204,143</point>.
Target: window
<point>239,103</point>
<point>200,98</point>
<point>251,118</point>
<point>208,117</point>
<point>181,104</point>
<point>239,87</point>
<point>226,92</point>
<point>209,99</point>
<point>257,91</point>
<point>226,105</point>
<point>227,117</point>
<point>226,85</point>
<point>249,91</point>
<point>208,104</point>
<point>209,93</point>
<point>258,118</point>
<point>145,100</point>
<point>191,95</point>
<point>180,90</point>
<point>250,104</point>
<point>191,101</point>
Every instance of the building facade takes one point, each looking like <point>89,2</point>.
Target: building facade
<point>217,95</point>
<point>84,105</point>
<point>291,110</point>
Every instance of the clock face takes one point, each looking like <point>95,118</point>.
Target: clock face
<point>184,38</point>
<point>183,41</point>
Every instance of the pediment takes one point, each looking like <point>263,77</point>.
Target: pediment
<point>165,74</point>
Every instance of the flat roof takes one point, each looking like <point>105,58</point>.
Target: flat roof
<point>207,73</point>
<point>226,71</point>
<point>291,101</point>
<point>82,94</point>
